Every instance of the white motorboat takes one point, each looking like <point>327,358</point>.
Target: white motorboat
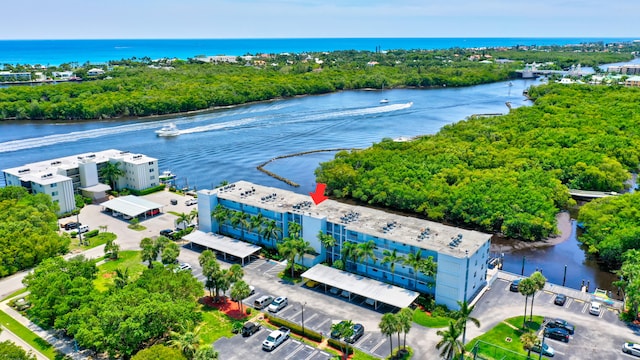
<point>167,177</point>
<point>168,130</point>
<point>384,101</point>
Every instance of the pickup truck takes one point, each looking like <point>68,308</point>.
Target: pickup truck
<point>249,328</point>
<point>276,338</point>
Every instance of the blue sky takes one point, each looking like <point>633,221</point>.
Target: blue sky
<point>81,19</point>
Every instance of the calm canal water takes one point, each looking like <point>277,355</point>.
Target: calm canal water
<point>228,144</point>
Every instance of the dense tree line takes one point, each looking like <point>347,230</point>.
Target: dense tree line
<point>133,89</point>
<point>28,230</point>
<point>611,227</point>
<point>508,174</point>
<point>120,321</point>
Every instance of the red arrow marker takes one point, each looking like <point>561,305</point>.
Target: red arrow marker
<point>318,195</point>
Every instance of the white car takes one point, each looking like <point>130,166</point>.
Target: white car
<point>595,308</point>
<point>191,202</point>
<point>631,348</point>
<point>184,267</point>
<point>277,304</point>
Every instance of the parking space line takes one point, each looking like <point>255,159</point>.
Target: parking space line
<point>294,315</point>
<point>584,308</point>
<point>373,349</point>
<point>312,316</point>
<point>294,351</point>
<point>312,354</point>
<point>322,323</point>
<point>569,301</point>
<point>364,338</point>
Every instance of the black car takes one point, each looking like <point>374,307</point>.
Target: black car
<point>358,331</point>
<point>167,233</point>
<point>72,225</point>
<point>514,285</point>
<point>557,333</point>
<point>560,299</point>
<point>249,328</point>
<point>561,324</point>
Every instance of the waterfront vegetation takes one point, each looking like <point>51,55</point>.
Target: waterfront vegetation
<point>508,174</point>
<point>130,88</point>
<point>28,230</point>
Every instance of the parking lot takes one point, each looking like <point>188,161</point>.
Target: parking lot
<point>595,337</point>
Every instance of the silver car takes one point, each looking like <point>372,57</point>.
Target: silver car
<point>277,304</point>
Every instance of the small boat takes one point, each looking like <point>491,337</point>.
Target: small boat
<point>168,130</point>
<point>384,101</point>
<point>167,177</point>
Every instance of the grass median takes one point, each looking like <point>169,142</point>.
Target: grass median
<point>28,336</point>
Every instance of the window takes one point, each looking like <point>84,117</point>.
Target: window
<point>150,162</point>
<point>54,185</point>
<point>152,170</point>
<point>55,193</point>
<point>152,177</point>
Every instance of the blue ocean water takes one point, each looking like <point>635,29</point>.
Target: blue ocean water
<point>56,52</point>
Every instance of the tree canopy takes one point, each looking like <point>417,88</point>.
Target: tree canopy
<point>508,174</point>
<point>28,230</point>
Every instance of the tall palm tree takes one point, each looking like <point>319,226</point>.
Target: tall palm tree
<point>303,247</point>
<point>527,288</point>
<point>365,252</point>
<point>183,218</point>
<point>463,315</point>
<point>392,258</point>
<point>528,340</point>
<point>241,219</point>
<point>221,215</point>
<point>294,230</point>
<point>349,252</point>
<point>328,242</point>
<point>256,223</point>
<point>344,329</point>
<point>449,343</point>
<point>187,342</point>
<point>539,281</point>
<point>122,278</point>
<point>193,215</point>
<point>111,172</point>
<point>288,249</point>
<point>420,264</point>
<point>405,319</point>
<point>149,251</point>
<point>235,273</point>
<point>210,267</point>
<point>388,326</point>
<point>271,231</point>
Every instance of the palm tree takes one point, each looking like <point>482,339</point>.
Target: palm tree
<point>187,342</point>
<point>529,339</point>
<point>183,218</point>
<point>149,251</point>
<point>349,252</point>
<point>463,315</point>
<point>327,241</point>
<point>235,273</point>
<point>294,230</point>
<point>206,352</point>
<point>365,252</point>
<point>419,264</point>
<point>221,215</point>
<point>271,231</point>
<point>255,223</point>
<point>539,281</point>
<point>405,319</point>
<point>239,291</point>
<point>122,278</point>
<point>526,287</point>
<point>344,329</point>
<point>193,215</point>
<point>111,172</point>
<point>450,344</point>
<point>241,219</point>
<point>303,247</point>
<point>392,258</point>
<point>210,268</point>
<point>387,327</point>
<point>288,249</point>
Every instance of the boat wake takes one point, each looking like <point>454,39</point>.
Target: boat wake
<point>253,121</point>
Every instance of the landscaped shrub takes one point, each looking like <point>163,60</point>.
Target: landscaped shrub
<point>146,191</point>
<point>295,328</point>
<point>92,233</point>
<point>336,344</point>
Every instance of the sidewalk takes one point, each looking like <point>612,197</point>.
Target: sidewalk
<point>8,335</point>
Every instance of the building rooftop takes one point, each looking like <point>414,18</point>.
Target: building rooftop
<point>403,229</point>
<point>71,162</point>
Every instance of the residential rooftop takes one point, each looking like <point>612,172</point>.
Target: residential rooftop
<point>403,229</point>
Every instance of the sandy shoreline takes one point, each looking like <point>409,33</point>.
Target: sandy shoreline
<point>564,228</point>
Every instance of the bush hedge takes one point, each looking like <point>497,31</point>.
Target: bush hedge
<point>295,328</point>
<point>146,191</point>
<point>92,233</point>
<point>337,344</point>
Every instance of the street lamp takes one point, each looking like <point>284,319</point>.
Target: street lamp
<point>305,303</point>
<point>79,232</point>
<point>564,278</point>
<point>522,272</point>
<point>541,348</point>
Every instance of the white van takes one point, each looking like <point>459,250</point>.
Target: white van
<point>83,229</point>
<point>262,302</point>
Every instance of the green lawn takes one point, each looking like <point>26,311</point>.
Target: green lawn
<point>505,336</point>
<point>27,335</point>
<point>215,325</point>
<point>97,240</point>
<point>127,259</point>
<point>14,294</point>
<point>424,319</point>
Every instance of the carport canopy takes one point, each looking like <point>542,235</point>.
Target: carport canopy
<point>130,205</point>
<point>361,285</point>
<point>223,244</point>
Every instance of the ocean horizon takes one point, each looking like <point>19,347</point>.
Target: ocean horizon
<point>80,51</point>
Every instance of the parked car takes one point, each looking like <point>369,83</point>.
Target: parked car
<point>311,284</point>
<point>345,294</point>
<point>277,304</point>
<point>546,349</point>
<point>252,290</point>
<point>514,285</point>
<point>262,302</point>
<point>72,225</point>
<point>249,328</point>
<point>83,229</point>
<point>167,233</point>
<point>334,290</point>
<point>184,267</point>
<point>631,348</point>
<point>595,308</point>
<point>191,202</point>
<point>562,324</point>
<point>276,338</point>
<point>557,334</point>
<point>358,331</point>
<point>560,299</point>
